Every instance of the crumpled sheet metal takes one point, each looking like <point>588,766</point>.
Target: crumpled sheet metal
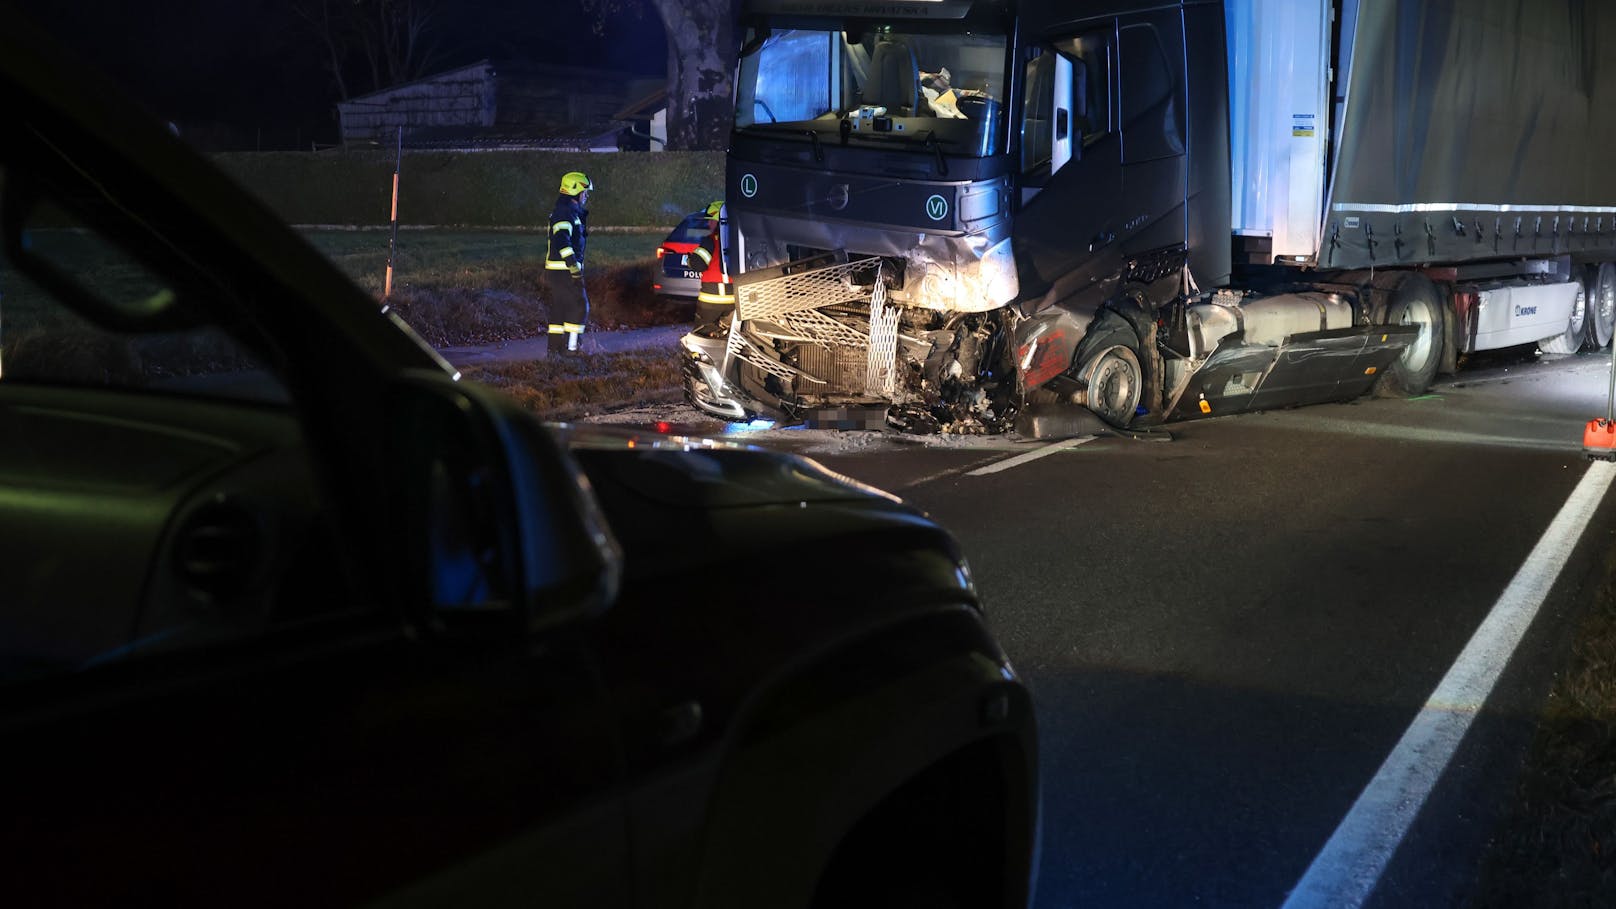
<point>961,274</point>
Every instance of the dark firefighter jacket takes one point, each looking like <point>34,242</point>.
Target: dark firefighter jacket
<point>567,235</point>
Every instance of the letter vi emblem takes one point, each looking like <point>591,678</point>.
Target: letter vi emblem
<point>937,208</point>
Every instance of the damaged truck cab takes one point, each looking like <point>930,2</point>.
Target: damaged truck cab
<point>985,215</point>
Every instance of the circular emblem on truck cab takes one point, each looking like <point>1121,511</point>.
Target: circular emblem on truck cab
<point>937,208</point>
<point>748,185</point>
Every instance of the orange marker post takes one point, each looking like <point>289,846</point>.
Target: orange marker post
<point>392,243</point>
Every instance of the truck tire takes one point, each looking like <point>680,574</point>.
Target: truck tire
<point>1414,301</point>
<point>1115,384</point>
<point>1602,306</point>
<point>1571,340</point>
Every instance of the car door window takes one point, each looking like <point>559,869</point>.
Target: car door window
<point>154,491</point>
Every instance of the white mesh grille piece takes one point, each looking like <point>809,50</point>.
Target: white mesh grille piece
<point>881,379</point>
<point>779,297</point>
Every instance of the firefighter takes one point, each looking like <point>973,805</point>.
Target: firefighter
<point>716,300</point>
<point>564,264</point>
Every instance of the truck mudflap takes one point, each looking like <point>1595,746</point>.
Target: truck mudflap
<point>1310,368</point>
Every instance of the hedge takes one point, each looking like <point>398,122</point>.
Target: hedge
<point>479,189</point>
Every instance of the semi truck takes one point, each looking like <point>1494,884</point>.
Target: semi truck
<point>990,215</point>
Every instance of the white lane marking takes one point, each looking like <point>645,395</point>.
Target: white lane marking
<point>1030,456</point>
<point>1346,871</point>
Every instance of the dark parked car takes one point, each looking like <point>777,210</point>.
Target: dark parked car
<point>290,616</point>
<point>678,272</point>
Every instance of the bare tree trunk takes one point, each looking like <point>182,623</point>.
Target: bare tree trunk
<point>701,68</point>
<point>318,15</point>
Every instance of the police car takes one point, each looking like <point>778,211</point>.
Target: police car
<point>678,271</point>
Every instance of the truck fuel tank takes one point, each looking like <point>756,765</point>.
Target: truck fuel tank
<point>1266,321</point>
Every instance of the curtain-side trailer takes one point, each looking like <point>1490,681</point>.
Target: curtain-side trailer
<point>977,215</point>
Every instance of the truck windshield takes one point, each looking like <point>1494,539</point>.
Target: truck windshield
<point>879,83</point>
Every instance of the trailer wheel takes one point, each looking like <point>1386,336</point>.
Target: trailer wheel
<point>1571,340</point>
<point>1115,384</point>
<point>1414,301</point>
<point>1602,306</point>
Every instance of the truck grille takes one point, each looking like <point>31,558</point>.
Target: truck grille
<point>843,354</point>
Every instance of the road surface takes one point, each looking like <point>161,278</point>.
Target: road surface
<point>1228,634</point>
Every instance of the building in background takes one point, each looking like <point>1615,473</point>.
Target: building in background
<point>648,121</point>
<point>508,105</point>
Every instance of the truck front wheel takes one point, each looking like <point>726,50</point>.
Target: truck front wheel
<point>1115,384</point>
<point>1414,301</point>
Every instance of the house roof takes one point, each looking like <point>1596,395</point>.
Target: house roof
<point>644,107</point>
<point>520,69</point>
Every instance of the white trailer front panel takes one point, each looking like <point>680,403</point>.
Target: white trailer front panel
<point>1507,316</point>
<point>1279,70</point>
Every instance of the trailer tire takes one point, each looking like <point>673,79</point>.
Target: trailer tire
<point>1414,301</point>
<point>1572,339</point>
<point>1115,384</point>
<point>1602,306</point>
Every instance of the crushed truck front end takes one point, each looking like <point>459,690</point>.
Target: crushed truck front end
<point>869,193</point>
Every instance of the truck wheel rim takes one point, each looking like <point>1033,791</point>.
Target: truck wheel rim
<point>1114,387</point>
<point>1418,312</point>
<point>1607,303</point>
<point>1579,313</point>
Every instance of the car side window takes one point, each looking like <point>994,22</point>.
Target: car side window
<point>155,494</point>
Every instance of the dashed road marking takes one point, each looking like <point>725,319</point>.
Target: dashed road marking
<point>1346,871</point>
<point>1030,456</point>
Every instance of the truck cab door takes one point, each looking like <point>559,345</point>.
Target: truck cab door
<point>1152,117</point>
<point>1071,164</point>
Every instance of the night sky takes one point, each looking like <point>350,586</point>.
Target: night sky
<point>250,65</point>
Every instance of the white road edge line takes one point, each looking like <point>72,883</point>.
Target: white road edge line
<point>1030,456</point>
<point>1346,871</point>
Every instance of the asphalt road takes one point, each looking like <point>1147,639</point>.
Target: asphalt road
<point>1227,633</point>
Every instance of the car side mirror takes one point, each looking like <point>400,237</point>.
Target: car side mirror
<point>502,533</point>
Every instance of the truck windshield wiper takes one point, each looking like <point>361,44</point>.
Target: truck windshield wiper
<point>935,144</point>
<point>793,129</point>
<point>930,141</point>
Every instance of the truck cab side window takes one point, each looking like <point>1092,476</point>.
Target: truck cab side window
<point>1090,56</point>
<point>1067,105</point>
<point>1039,118</point>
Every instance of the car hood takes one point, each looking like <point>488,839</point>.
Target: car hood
<point>701,473</point>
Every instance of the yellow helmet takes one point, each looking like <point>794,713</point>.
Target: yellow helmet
<point>574,183</point>
<point>715,208</point>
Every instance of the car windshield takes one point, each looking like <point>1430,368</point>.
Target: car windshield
<point>881,84</point>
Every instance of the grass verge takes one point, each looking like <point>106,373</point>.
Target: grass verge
<point>477,287</point>
<point>1557,846</point>
<point>564,388</point>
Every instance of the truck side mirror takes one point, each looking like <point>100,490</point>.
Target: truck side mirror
<point>1063,124</point>
<point>501,534</point>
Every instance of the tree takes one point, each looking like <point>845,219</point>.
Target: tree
<point>701,65</point>
<point>701,71</point>
<point>390,41</point>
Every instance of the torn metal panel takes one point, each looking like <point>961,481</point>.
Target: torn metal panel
<point>1309,368</point>
<point>945,272</point>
